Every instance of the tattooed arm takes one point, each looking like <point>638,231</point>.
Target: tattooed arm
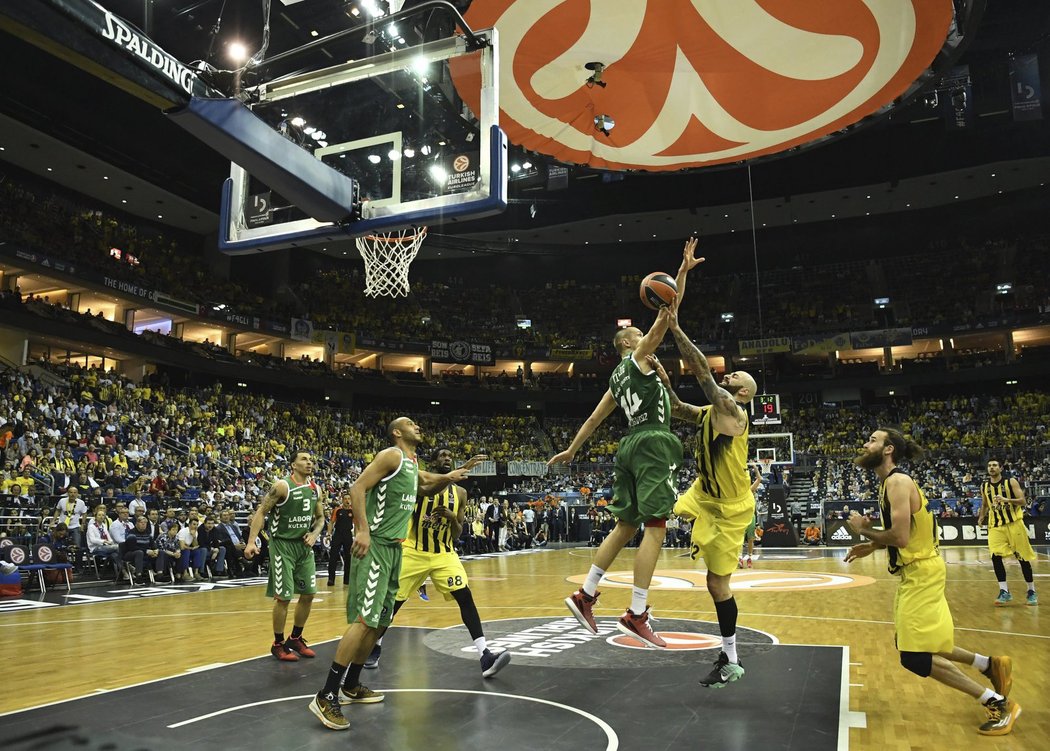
<point>732,420</point>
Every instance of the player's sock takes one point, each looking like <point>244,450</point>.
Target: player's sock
<point>1000,572</point>
<point>1026,572</point>
<point>590,584</point>
<point>981,662</point>
<point>988,696</point>
<point>297,631</point>
<point>729,647</point>
<point>335,677</point>
<point>353,676</point>
<point>639,598</point>
<point>1003,587</point>
<point>481,645</point>
<point>727,612</point>
<point>278,637</point>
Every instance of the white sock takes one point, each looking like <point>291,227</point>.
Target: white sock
<point>981,662</point>
<point>1003,587</point>
<point>988,696</point>
<point>729,647</point>
<point>480,645</point>
<point>379,641</point>
<point>639,598</point>
<point>590,584</point>
<point>1031,588</point>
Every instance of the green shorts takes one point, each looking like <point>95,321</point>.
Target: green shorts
<point>292,569</point>
<point>645,476</point>
<point>749,533</point>
<point>374,585</point>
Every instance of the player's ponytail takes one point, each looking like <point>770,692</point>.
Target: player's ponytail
<point>903,447</point>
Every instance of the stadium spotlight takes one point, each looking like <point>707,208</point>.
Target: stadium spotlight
<point>237,52</point>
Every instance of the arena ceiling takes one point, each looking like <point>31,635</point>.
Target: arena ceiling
<point>758,105</point>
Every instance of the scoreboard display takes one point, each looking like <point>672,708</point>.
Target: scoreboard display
<point>765,409</point>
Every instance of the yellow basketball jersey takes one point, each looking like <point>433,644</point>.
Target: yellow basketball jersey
<point>721,460</point>
<point>1000,513</point>
<point>428,532</point>
<point>923,541</point>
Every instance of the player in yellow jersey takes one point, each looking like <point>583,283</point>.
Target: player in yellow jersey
<point>924,631</point>
<point>720,501</point>
<point>429,550</point>
<point>1002,506</point>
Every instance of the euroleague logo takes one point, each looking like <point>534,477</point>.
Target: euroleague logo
<point>756,580</point>
<point>561,642</point>
<point>460,163</point>
<point>689,84</point>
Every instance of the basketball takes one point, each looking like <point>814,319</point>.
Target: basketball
<point>658,289</point>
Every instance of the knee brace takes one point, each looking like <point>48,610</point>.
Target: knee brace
<point>920,663</point>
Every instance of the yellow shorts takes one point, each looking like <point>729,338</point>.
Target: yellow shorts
<point>444,569</point>
<point>1011,539</point>
<point>921,617</point>
<point>719,525</point>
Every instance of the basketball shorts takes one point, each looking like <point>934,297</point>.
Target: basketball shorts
<point>718,526</point>
<point>1011,539</point>
<point>373,585</point>
<point>292,569</point>
<point>921,618</point>
<point>444,569</point>
<point>645,476</point>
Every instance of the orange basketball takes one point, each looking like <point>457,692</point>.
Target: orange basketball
<point>657,290</point>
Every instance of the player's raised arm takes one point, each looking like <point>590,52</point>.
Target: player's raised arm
<point>430,483</point>
<point>721,400</point>
<point>689,262</point>
<point>654,336</point>
<point>604,409</point>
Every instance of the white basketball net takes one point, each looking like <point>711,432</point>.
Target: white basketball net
<point>766,465</point>
<point>387,258</point>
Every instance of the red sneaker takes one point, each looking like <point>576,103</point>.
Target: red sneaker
<point>638,627</point>
<point>298,644</point>
<point>283,654</point>
<point>580,604</point>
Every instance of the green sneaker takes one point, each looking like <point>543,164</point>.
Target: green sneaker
<point>724,672</point>
<point>1004,597</point>
<point>1032,599</point>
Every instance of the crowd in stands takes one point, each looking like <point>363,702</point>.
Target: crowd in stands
<point>798,298</point>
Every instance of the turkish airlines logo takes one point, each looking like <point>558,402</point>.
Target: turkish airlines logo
<point>679,640</point>
<point>690,83</point>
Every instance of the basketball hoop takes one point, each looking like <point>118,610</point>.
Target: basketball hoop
<point>765,465</point>
<point>387,257</point>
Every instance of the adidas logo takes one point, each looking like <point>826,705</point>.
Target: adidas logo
<point>841,534</point>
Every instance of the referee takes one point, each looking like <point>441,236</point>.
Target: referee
<point>341,533</point>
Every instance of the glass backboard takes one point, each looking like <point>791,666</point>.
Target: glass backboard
<point>396,123</point>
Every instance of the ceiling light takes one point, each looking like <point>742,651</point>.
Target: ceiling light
<point>515,168</point>
<point>375,158</point>
<point>355,12</point>
<point>400,105</point>
<point>50,170</point>
<point>298,122</point>
<point>123,200</point>
<point>313,33</point>
<point>425,150</point>
<point>237,52</point>
<point>410,152</point>
<point>104,177</point>
<point>526,165</point>
<point>309,129</point>
<point>323,144</point>
<point>160,216</point>
<point>394,155</point>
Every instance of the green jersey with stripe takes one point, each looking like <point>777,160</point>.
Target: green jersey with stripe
<point>641,396</point>
<point>389,505</point>
<point>294,516</point>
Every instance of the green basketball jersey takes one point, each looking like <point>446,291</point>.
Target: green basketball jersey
<point>294,517</point>
<point>389,505</point>
<point>641,396</point>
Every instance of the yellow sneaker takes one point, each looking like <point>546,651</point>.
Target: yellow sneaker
<point>1001,717</point>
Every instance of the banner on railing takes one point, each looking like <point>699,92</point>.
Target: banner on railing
<point>527,469</point>
<point>880,338</point>
<point>557,353</point>
<point>463,352</point>
<point>766,346</point>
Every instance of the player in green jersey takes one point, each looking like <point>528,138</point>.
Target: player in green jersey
<point>293,511</point>
<point>383,499</point>
<point>645,474</point>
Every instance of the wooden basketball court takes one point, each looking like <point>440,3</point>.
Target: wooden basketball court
<point>195,651</point>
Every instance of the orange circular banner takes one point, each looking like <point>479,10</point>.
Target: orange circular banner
<point>686,83</point>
